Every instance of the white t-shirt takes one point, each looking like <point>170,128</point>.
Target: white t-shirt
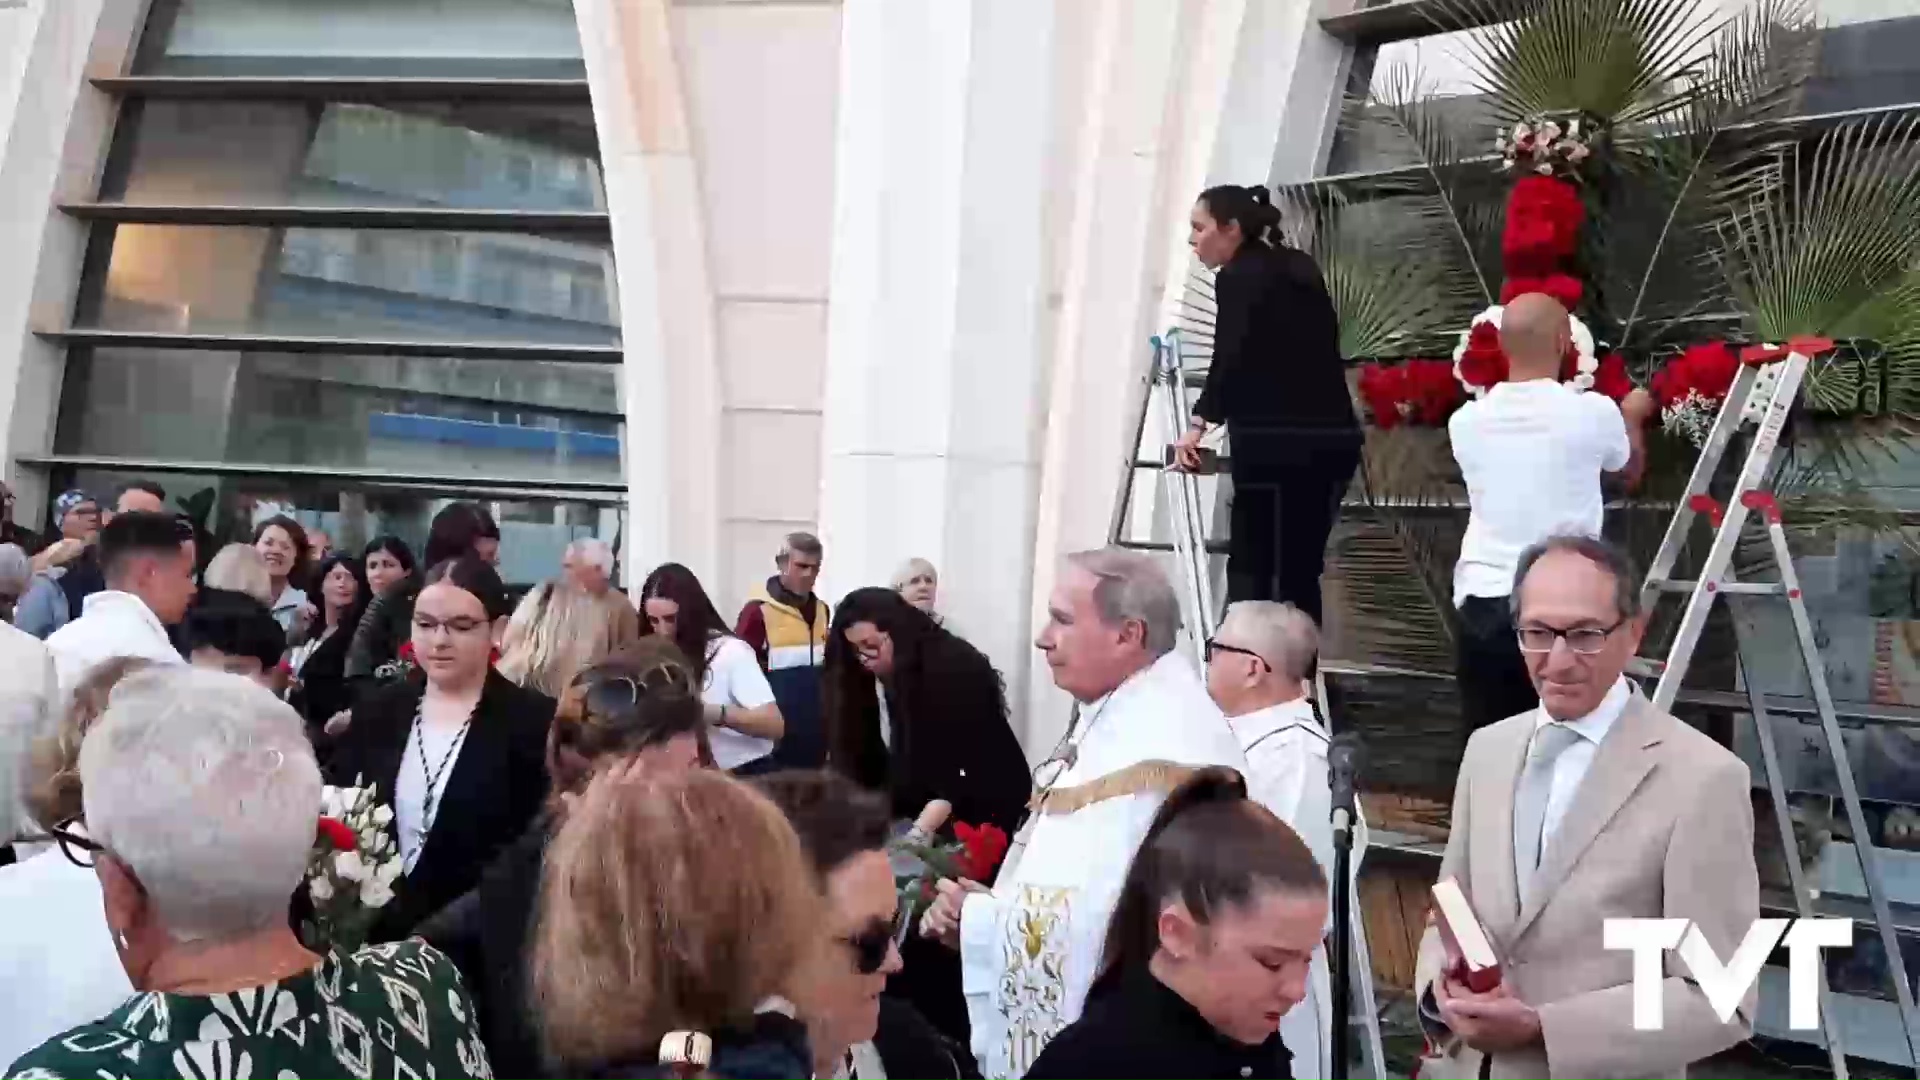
<point>58,966</point>
<point>1532,454</point>
<point>442,743</point>
<point>734,679</point>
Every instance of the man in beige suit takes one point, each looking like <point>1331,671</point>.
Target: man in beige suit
<point>1593,806</point>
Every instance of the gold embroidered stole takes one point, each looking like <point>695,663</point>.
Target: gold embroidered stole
<point>1154,775</point>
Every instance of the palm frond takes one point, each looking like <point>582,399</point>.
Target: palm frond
<point>1402,102</point>
<point>1410,484</point>
<point>1829,250</point>
<point>1759,61</point>
<point>1398,286</point>
<point>1622,62</point>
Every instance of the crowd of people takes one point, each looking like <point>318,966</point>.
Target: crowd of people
<point>634,838</point>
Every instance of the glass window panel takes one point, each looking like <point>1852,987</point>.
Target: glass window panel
<point>1439,62</point>
<point>379,283</point>
<point>417,38</point>
<point>534,531</point>
<point>502,419</point>
<point>476,155</point>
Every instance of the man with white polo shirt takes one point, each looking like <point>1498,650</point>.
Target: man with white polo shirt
<point>1533,452</point>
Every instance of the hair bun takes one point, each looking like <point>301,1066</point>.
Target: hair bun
<point>1258,193</point>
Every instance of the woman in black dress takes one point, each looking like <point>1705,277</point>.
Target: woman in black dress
<point>1208,947</point>
<point>459,754</point>
<point>1278,384</point>
<point>915,711</point>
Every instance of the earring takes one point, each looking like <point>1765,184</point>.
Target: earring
<point>121,937</point>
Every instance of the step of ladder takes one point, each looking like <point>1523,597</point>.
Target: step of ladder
<point>1730,588</point>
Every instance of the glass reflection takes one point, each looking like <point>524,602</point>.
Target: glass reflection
<point>408,285</point>
<point>476,156</point>
<point>519,420</point>
<point>416,38</point>
<point>534,532</point>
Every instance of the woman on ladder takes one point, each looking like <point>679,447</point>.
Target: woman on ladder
<point>1278,384</point>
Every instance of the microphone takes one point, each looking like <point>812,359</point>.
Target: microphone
<point>1346,755</point>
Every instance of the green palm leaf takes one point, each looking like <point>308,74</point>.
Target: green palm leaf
<point>1621,61</point>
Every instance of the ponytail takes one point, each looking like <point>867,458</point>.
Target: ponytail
<point>1251,207</point>
<point>1209,847</point>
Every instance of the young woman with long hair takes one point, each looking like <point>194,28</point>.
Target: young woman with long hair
<point>652,932</point>
<point>1209,945</point>
<point>320,665</point>
<point>745,720</point>
<point>558,630</point>
<point>459,530</point>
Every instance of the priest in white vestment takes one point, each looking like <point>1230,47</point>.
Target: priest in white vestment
<point>1031,946</point>
<point>1257,665</point>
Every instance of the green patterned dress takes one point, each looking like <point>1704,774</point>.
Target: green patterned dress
<point>394,1010</point>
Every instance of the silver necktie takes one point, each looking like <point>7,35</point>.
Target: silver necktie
<point>1530,801</point>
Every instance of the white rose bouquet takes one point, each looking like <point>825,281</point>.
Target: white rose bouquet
<point>352,869</point>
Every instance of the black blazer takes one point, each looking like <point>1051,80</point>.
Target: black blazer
<point>1277,380</point>
<point>497,787</point>
<point>1134,1026</point>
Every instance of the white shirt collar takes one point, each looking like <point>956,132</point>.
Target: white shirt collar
<point>1594,726</point>
<point>112,603</point>
<point>1260,723</point>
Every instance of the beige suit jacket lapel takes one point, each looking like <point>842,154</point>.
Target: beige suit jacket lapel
<point>1624,759</point>
<point>1501,910</point>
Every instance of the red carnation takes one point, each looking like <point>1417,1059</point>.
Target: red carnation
<point>1383,388</point>
<point>337,835</point>
<point>1542,226</point>
<point>1611,377</point>
<point>406,651</point>
<point>1432,391</point>
<point>985,845</point>
<point>1485,362</point>
<point>1707,368</point>
<point>1562,287</point>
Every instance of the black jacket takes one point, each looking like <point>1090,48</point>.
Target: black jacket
<point>387,622</point>
<point>1136,1027</point>
<point>497,787</point>
<point>486,934</point>
<point>1277,380</point>
<point>909,1046</point>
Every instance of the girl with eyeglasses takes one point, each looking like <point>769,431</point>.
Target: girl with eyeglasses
<point>637,712</point>
<point>459,754</point>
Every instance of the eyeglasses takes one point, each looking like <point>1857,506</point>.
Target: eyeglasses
<point>1584,640</point>
<point>1222,647</point>
<point>870,945</point>
<point>427,625</point>
<point>78,849</point>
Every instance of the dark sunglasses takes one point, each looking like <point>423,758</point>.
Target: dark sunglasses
<point>78,849</point>
<point>870,945</point>
<point>1221,647</point>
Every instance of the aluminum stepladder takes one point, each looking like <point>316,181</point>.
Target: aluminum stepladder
<point>1168,381</point>
<point>1769,377</point>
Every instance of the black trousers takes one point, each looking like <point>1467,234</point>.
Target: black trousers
<point>1493,678</point>
<point>1281,518</point>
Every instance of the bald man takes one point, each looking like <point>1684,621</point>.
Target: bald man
<point>1533,452</point>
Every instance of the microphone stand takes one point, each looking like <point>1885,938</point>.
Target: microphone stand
<point>1343,762</point>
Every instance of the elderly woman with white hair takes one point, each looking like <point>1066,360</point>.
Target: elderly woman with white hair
<point>201,797</point>
<point>588,563</point>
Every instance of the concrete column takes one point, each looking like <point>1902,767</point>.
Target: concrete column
<point>53,136</point>
<point>671,378</point>
<point>934,389</point>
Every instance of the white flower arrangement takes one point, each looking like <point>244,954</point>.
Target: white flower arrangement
<point>352,869</point>
<point>1544,145</point>
<point>1691,417</point>
<point>1586,363</point>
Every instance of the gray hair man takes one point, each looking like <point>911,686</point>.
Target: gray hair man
<point>1257,671</point>
<point>1145,726</point>
<point>1593,806</point>
<point>588,563</point>
<point>202,795</point>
